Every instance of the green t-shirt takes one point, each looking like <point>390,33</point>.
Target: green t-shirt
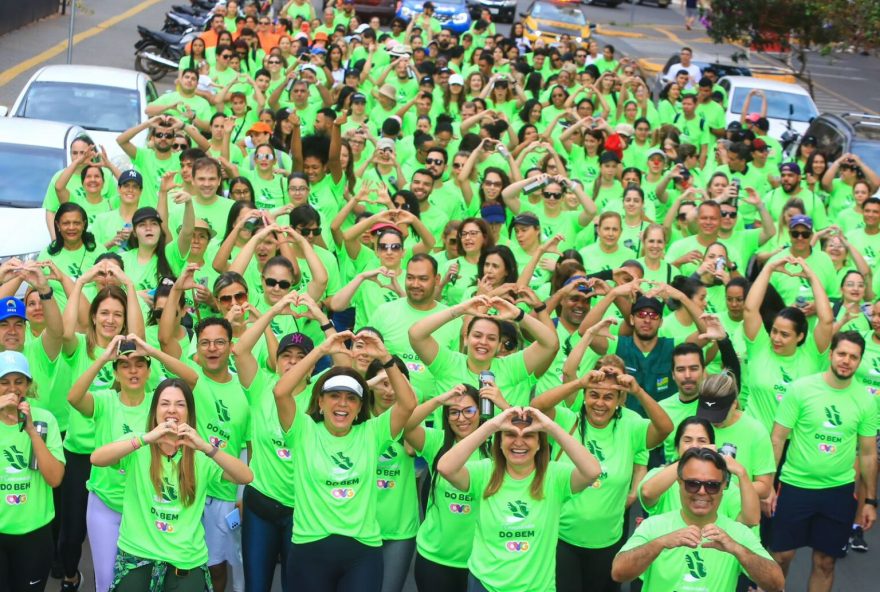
<point>683,568</point>
<point>825,425</point>
<point>680,248</point>
<point>867,244</point>
<point>77,192</point>
<point>450,368</point>
<point>216,214</point>
<point>269,194</point>
<point>696,129</point>
<point>114,421</point>
<point>754,451</point>
<point>598,260</point>
<point>397,501</point>
<point>335,480</point>
<point>28,497</point>
<point>200,106</point>
<point>53,385</point>
<point>618,446</point>
<point>71,263</point>
<point>447,534</point>
<point>678,411</point>
<point>713,113</point>
<point>224,420</point>
<point>790,288</point>
<point>868,372</point>
<point>160,527</point>
<point>770,381</point>
<point>567,341</point>
<point>152,169</point>
<point>516,531</point>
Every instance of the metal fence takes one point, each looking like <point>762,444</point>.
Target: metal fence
<point>18,13</point>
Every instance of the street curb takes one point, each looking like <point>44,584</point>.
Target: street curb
<point>649,66</point>
<point>612,33</point>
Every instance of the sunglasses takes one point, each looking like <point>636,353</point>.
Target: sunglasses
<point>682,217</point>
<point>389,246</point>
<point>436,161</point>
<point>647,314</point>
<point>264,156</point>
<point>694,486</point>
<point>457,165</point>
<point>239,297</point>
<point>226,56</point>
<point>176,146</point>
<point>310,231</point>
<point>800,233</point>
<point>272,282</point>
<point>468,413</point>
<point>163,136</point>
<point>553,195</point>
<point>273,62</point>
<point>729,214</point>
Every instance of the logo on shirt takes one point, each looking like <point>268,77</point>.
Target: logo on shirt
<point>389,455</point>
<point>517,546</point>
<point>518,509</point>
<point>74,270</point>
<point>875,362</point>
<point>596,450</point>
<point>785,377</point>
<point>16,459</point>
<point>168,491</point>
<point>164,526</point>
<point>460,508</point>
<point>126,429</point>
<point>695,566</point>
<point>222,411</point>
<point>342,493</point>
<point>832,417</point>
<point>385,484</point>
<point>16,500</point>
<point>341,461</point>
<point>283,453</point>
<point>827,448</point>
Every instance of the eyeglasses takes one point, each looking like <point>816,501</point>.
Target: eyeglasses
<point>729,214</point>
<point>389,247</point>
<point>647,314</point>
<point>213,343</point>
<point>309,231</point>
<point>437,161</point>
<point>468,412</point>
<point>694,486</point>
<point>241,192</point>
<point>853,285</point>
<point>553,195</point>
<point>800,233</point>
<point>179,146</point>
<point>470,233</point>
<point>163,135</point>
<point>492,183</point>
<point>264,156</point>
<point>299,188</point>
<point>274,62</point>
<point>239,297</point>
<point>272,282</point>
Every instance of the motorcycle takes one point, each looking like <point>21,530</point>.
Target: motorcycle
<point>157,53</point>
<point>177,23</point>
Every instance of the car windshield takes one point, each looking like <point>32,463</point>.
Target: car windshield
<point>869,152</point>
<point>99,108</point>
<point>571,15</point>
<point>778,104</point>
<point>26,172</point>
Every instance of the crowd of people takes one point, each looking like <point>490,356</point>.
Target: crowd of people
<point>367,298</point>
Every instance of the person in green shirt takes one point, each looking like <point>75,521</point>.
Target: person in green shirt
<point>73,251</point>
<point>696,546</point>
<point>90,169</point>
<point>184,103</point>
<point>522,496</point>
<point>25,518</point>
<point>165,494</point>
<point>829,420</point>
<point>336,448</point>
<point>157,159</point>
<point>619,439</point>
<point>116,415</point>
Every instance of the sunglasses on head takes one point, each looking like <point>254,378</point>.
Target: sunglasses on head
<point>800,233</point>
<point>239,297</point>
<point>163,135</point>
<point>694,486</point>
<point>389,246</point>
<point>272,282</point>
<point>309,231</point>
<point>728,214</point>
<point>553,195</point>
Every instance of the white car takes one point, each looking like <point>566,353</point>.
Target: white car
<point>31,152</point>
<point>104,101</point>
<point>786,103</point>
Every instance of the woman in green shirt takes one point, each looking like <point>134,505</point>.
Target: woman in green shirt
<point>161,538</point>
<point>92,180</point>
<point>460,275</point>
<point>73,249</point>
<point>849,313</point>
<point>620,439</point>
<point>146,257</point>
<point>26,545</point>
<point>336,446</point>
<point>653,259</point>
<point>522,494</point>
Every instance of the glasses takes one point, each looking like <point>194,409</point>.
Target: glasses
<point>179,146</point>
<point>239,297</point>
<point>241,192</point>
<point>264,156</point>
<point>437,161</point>
<point>729,214</point>
<point>647,314</point>
<point>492,183</point>
<point>299,188</point>
<point>853,285</point>
<point>682,217</point>
<point>274,62</point>
<point>225,56</point>
<point>163,135</point>
<point>470,233</point>
<point>552,195</point>
<point>213,343</point>
<point>389,247</point>
<point>264,23</point>
<point>800,233</point>
<point>468,412</point>
<point>309,231</point>
<point>694,486</point>
<point>272,282</point>
<point>736,299</point>
<point>457,165</point>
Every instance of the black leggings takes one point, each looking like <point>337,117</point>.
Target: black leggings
<point>74,500</point>
<point>25,560</point>
<point>335,563</point>
<point>579,569</point>
<point>433,577</point>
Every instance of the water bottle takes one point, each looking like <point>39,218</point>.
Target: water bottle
<point>487,407</point>
<point>800,302</point>
<point>42,430</point>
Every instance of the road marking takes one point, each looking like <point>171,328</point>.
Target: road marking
<point>8,75</point>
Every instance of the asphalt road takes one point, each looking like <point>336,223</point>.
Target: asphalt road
<point>107,32</point>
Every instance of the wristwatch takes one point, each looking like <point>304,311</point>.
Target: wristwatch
<point>871,501</point>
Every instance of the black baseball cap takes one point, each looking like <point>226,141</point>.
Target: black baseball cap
<point>715,409</point>
<point>304,342</point>
<point>144,214</point>
<point>649,303</point>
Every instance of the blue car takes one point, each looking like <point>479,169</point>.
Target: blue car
<point>452,14</point>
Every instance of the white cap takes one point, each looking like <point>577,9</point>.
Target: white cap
<point>456,79</point>
<point>343,383</point>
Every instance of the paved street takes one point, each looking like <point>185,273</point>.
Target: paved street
<point>106,37</point>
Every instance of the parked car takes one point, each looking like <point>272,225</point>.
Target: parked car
<point>502,11</point>
<point>550,20</point>
<point>31,152</point>
<point>452,14</point>
<point>855,133</point>
<point>367,9</point>
<point>789,107</point>
<point>657,3</point>
<point>104,101</point>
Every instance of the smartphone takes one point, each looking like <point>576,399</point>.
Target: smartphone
<point>125,347</point>
<point>203,282</point>
<point>534,185</point>
<point>252,223</point>
<point>233,519</point>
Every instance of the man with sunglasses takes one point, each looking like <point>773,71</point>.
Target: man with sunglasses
<point>736,162</point>
<point>696,548</point>
<point>155,159</point>
<point>742,243</point>
<point>828,419</point>
<point>794,289</point>
<point>184,103</point>
<point>434,213</point>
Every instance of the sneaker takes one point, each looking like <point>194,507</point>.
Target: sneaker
<point>857,540</point>
<point>72,586</point>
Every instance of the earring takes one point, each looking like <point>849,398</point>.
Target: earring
<point>321,411</point>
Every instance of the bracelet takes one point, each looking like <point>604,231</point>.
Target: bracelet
<point>389,364</point>
<point>520,316</point>
<point>327,326</point>
<point>213,452</point>
<point>135,443</point>
<point>540,308</point>
<point>47,295</point>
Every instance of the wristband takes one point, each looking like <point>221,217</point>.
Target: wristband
<point>540,308</point>
<point>213,452</point>
<point>135,443</point>
<point>871,501</point>
<point>389,364</point>
<point>520,316</point>
<point>327,326</point>
<point>47,295</point>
